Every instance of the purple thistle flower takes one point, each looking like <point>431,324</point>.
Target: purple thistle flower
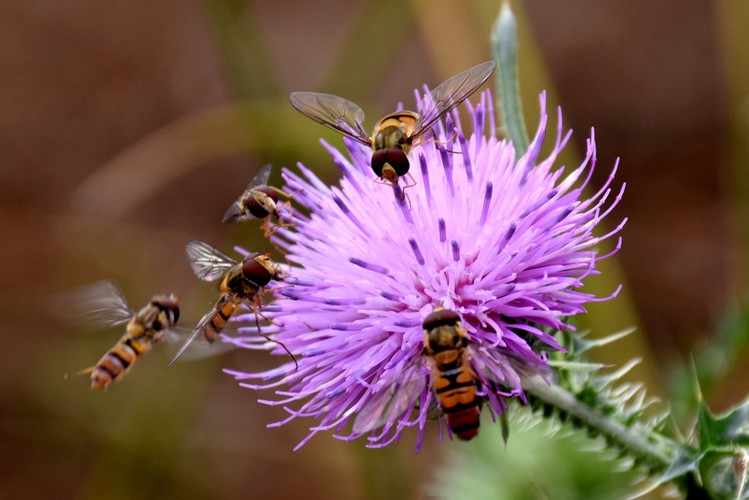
<point>503,242</point>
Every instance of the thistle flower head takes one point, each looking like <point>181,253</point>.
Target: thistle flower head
<point>504,242</point>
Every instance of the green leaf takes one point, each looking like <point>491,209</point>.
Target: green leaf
<point>726,430</point>
<point>582,344</point>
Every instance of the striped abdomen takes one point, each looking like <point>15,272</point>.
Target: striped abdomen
<point>224,310</point>
<point>118,360</point>
<point>445,344</point>
<point>456,390</point>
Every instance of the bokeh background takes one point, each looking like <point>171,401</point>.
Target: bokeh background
<point>127,128</point>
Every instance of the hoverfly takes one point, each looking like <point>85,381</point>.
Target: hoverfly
<point>258,201</point>
<point>395,134</point>
<point>446,354</point>
<point>241,282</point>
<point>453,379</point>
<point>151,325</point>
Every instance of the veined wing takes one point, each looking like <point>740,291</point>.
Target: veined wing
<point>391,403</point>
<point>343,116</point>
<point>100,304</point>
<point>237,211</point>
<point>204,321</point>
<point>201,350</point>
<point>446,96</point>
<point>207,263</point>
<point>261,178</point>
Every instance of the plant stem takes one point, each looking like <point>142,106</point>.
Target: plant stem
<point>662,454</point>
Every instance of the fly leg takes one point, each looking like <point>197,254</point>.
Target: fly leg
<point>257,304</point>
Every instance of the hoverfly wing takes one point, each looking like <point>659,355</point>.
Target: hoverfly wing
<point>390,404</point>
<point>238,211</point>
<point>100,304</point>
<point>334,112</point>
<point>447,95</point>
<point>207,263</point>
<point>198,351</point>
<point>204,321</point>
<point>175,334</point>
<point>261,178</point>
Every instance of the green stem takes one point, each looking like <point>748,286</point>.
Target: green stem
<point>662,455</point>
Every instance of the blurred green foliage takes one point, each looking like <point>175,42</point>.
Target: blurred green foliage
<point>536,463</point>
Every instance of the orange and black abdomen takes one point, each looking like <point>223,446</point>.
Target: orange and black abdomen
<point>456,390</point>
<point>118,361</point>
<point>224,310</point>
<point>453,379</point>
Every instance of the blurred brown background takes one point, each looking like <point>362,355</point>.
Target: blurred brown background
<point>128,128</point>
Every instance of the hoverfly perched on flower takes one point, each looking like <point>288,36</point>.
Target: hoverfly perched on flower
<point>396,133</point>
<point>453,379</point>
<point>241,282</point>
<point>258,201</point>
<point>454,382</point>
<point>103,303</point>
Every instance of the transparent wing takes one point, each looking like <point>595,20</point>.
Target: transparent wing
<point>198,351</point>
<point>497,371</point>
<point>207,317</point>
<point>334,112</point>
<point>174,335</point>
<point>261,179</point>
<point>208,263</point>
<point>237,211</point>
<point>389,405</point>
<point>100,304</point>
<point>450,93</point>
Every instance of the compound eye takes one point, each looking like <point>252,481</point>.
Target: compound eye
<point>440,317</point>
<point>378,161</point>
<point>173,309</point>
<point>167,304</point>
<point>254,206</point>
<point>396,157</point>
<point>254,271</point>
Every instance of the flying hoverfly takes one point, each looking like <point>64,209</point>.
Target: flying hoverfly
<point>103,303</point>
<point>241,282</point>
<point>259,201</point>
<point>396,133</point>
<point>446,354</point>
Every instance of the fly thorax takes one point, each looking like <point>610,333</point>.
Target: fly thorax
<point>152,319</point>
<point>395,130</point>
<point>390,137</point>
<point>232,282</point>
<point>444,338</point>
<point>136,327</point>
